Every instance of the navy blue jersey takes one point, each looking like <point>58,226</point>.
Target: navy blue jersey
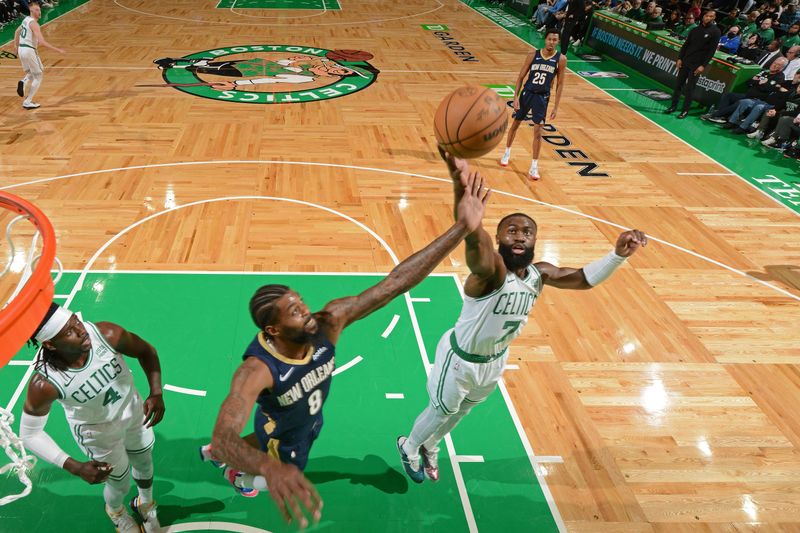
<point>300,386</point>
<point>541,74</point>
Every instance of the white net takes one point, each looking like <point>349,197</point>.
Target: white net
<point>21,462</point>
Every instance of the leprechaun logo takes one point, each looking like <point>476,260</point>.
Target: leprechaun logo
<point>269,74</point>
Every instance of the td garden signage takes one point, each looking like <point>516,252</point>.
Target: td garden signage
<point>269,74</point>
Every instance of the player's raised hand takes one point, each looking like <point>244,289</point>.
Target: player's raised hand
<point>630,241</point>
<point>458,167</point>
<point>289,488</point>
<point>472,205</point>
<point>153,410</point>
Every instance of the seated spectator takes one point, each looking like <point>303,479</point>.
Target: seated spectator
<point>636,13</point>
<point>772,10</point>
<point>731,19</point>
<point>750,26</point>
<point>760,87</point>
<point>786,129</point>
<point>794,62</point>
<point>790,16</point>
<point>729,42</point>
<point>769,55</point>
<point>695,8</point>
<point>655,17</point>
<point>539,16</point>
<point>622,8</point>
<point>672,6</point>
<point>648,11</point>
<point>753,108</point>
<point>687,26</point>
<point>791,38</point>
<point>554,15</point>
<point>765,31</point>
<point>750,48</point>
<point>673,19</point>
<point>790,107</point>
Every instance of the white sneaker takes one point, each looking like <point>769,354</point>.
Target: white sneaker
<point>769,141</point>
<point>758,134</point>
<point>147,514</point>
<point>123,521</point>
<point>505,159</point>
<point>533,173</point>
<point>30,105</point>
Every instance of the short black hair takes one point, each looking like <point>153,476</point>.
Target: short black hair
<point>502,220</point>
<point>552,30</point>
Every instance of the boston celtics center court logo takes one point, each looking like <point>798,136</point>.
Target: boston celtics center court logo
<point>269,74</point>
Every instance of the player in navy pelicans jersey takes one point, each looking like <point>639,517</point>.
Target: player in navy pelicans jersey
<point>287,370</point>
<point>540,69</point>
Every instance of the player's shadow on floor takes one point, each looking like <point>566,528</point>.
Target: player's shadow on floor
<point>785,275</point>
<point>372,470</point>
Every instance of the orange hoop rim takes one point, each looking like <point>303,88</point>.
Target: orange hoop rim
<point>17,314</point>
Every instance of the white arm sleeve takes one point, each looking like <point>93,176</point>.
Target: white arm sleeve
<point>37,441</point>
<point>601,270</point>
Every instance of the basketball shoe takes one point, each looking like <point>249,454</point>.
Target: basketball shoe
<point>234,477</point>
<point>147,514</point>
<point>123,522</point>
<point>411,466</point>
<point>431,462</point>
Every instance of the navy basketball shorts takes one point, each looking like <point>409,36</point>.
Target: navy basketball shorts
<point>292,450</point>
<point>533,103</point>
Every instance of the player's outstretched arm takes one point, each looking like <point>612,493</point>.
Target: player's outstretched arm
<point>594,273</point>
<point>286,482</point>
<point>39,398</point>
<point>344,311</point>
<point>37,30</point>
<point>132,345</point>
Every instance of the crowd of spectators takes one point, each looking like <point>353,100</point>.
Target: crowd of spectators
<point>766,34</point>
<point>12,11</point>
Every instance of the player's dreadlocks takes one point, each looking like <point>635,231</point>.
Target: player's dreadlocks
<point>262,305</point>
<point>45,357</point>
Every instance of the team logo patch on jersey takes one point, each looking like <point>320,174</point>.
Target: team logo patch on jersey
<point>269,74</point>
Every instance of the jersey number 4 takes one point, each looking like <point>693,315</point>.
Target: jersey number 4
<point>112,396</point>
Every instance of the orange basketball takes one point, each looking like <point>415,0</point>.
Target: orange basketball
<point>470,121</point>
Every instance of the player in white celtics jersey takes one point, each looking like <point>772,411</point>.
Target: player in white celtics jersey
<point>27,40</point>
<point>81,365</point>
<point>499,293</point>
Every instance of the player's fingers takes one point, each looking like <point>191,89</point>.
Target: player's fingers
<point>485,199</point>
<point>296,511</point>
<point>279,501</point>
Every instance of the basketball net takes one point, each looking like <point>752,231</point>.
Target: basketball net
<point>21,461</point>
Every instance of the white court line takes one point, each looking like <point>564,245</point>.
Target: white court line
<point>547,459</point>
<point>422,176</point>
<point>548,496</point>
<point>395,396</point>
<point>183,390</point>
<point>706,174</point>
<point>19,363</point>
<point>390,327</point>
<point>236,272</point>
<point>153,68</point>
<point>469,458</point>
<point>352,362</point>
<point>512,367</point>
<point>286,21</point>
<point>61,296</point>
<point>213,526</point>
<point>325,10</point>
<point>421,300</point>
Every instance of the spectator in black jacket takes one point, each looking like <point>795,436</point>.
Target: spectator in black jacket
<point>791,107</point>
<point>695,54</point>
<point>761,86</point>
<point>576,10</point>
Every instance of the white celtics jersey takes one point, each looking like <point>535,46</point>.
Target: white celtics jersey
<point>26,35</point>
<point>98,392</point>
<point>488,324</point>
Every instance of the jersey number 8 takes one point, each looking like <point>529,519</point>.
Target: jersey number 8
<point>315,402</point>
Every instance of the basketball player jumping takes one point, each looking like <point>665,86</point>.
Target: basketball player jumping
<point>287,370</point>
<point>80,365</point>
<point>499,293</point>
<point>26,39</point>
<point>540,67</point>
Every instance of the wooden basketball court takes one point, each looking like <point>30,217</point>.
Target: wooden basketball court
<point>665,400</point>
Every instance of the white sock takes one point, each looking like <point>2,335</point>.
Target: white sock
<point>251,481</point>
<point>534,165</point>
<point>37,81</point>
<point>146,495</point>
<point>426,425</point>
<point>508,151</point>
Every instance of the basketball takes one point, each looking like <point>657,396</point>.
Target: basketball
<point>349,55</point>
<point>470,121</point>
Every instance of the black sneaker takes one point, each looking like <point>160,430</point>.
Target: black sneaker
<point>412,467</point>
<point>21,89</point>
